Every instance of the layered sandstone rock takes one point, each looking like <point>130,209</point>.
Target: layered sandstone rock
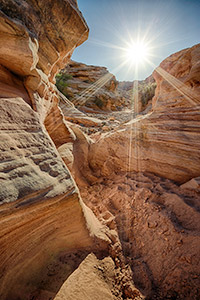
<point>93,87</point>
<point>90,86</point>
<point>138,93</point>
<point>41,213</point>
<point>157,221</point>
<point>148,225</point>
<point>87,282</point>
<point>166,140</point>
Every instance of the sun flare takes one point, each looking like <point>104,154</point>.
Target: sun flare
<point>137,52</point>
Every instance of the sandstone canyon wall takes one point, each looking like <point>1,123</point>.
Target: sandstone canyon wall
<point>158,226</point>
<point>41,211</point>
<point>137,213</point>
<point>165,141</point>
<point>157,217</point>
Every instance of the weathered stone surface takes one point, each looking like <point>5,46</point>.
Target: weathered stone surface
<point>141,221</point>
<point>29,160</point>
<point>99,279</point>
<point>31,30</point>
<point>95,88</point>
<point>90,86</point>
<point>166,140</point>
<point>158,227</point>
<point>41,212</point>
<point>88,281</point>
<point>138,93</point>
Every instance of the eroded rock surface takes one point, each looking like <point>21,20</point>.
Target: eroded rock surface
<point>90,87</point>
<point>41,213</point>
<point>93,88</point>
<point>158,226</point>
<point>157,219</point>
<point>95,280</point>
<point>166,140</point>
<point>146,226</point>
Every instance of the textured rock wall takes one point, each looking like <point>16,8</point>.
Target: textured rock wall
<point>93,87</point>
<point>90,86</point>
<point>45,37</point>
<point>41,212</point>
<point>46,229</point>
<point>166,140</point>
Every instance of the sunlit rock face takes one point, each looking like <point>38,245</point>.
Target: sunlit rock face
<point>93,88</point>
<point>138,93</point>
<point>157,217</point>
<point>41,212</point>
<point>90,87</point>
<point>166,140</point>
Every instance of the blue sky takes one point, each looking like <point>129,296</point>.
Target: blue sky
<point>168,26</point>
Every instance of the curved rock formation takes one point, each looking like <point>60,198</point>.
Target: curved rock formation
<point>41,211</point>
<point>166,140</point>
<point>148,225</point>
<point>157,219</point>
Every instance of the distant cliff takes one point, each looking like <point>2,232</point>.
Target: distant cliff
<point>90,86</point>
<point>94,87</point>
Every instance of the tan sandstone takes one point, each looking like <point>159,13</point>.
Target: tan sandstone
<point>41,213</point>
<point>166,140</point>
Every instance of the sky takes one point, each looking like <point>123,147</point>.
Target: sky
<point>166,26</point>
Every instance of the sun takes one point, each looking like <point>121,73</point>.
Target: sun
<point>137,52</point>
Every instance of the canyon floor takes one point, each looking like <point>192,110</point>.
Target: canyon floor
<point>155,221</point>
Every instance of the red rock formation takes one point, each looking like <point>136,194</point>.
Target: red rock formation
<point>41,212</point>
<point>165,141</point>
<point>158,226</point>
<point>157,221</point>
<point>90,86</point>
<point>46,229</point>
<point>94,87</point>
